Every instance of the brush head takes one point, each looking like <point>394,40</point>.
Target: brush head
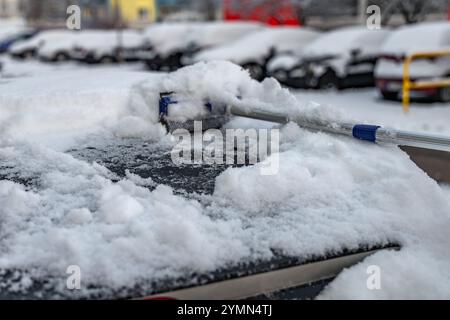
<point>214,115</point>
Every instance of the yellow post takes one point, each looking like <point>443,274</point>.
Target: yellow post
<point>406,84</point>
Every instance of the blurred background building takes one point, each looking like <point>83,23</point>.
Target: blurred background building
<point>95,13</point>
<point>12,9</point>
<point>321,14</point>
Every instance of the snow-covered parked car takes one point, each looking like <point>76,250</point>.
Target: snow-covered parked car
<point>7,39</point>
<point>424,37</point>
<point>173,45</point>
<point>30,48</point>
<point>164,36</point>
<point>98,46</point>
<point>254,51</point>
<point>339,59</point>
<point>60,50</point>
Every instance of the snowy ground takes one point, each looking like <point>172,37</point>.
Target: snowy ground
<point>65,130</point>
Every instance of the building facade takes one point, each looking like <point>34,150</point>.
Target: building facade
<point>94,13</point>
<point>135,12</point>
<point>11,8</point>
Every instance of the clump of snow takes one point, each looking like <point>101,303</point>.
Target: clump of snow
<point>200,82</point>
<point>79,216</point>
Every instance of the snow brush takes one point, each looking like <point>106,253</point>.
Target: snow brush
<point>218,115</point>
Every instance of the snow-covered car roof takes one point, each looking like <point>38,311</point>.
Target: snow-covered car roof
<point>344,40</point>
<point>283,39</point>
<point>63,44</point>
<point>168,37</point>
<point>421,37</point>
<point>217,33</point>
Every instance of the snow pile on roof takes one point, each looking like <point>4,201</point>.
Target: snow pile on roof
<point>429,36</point>
<point>331,193</point>
<point>217,33</point>
<point>168,37</point>
<point>259,45</point>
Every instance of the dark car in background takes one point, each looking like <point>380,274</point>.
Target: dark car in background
<point>339,59</point>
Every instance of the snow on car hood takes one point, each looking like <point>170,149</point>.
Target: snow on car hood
<point>331,193</point>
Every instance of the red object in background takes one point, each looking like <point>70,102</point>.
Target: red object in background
<point>448,10</point>
<point>274,13</point>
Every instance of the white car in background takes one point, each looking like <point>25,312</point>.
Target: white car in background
<point>30,48</point>
<point>161,39</point>
<point>340,59</point>
<point>423,37</point>
<point>254,51</point>
<point>173,45</point>
<point>60,50</point>
<point>106,46</point>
